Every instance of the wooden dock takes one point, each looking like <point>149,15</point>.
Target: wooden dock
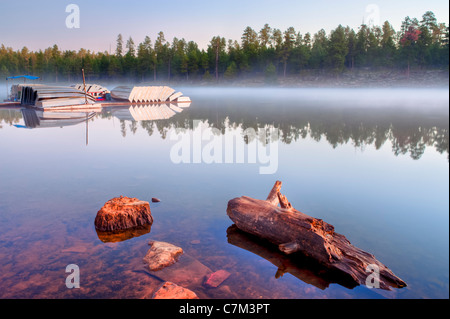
<point>71,99</point>
<point>9,104</point>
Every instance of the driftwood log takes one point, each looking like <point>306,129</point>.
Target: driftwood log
<point>295,232</point>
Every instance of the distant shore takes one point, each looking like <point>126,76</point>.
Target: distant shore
<point>360,78</point>
<point>349,79</point>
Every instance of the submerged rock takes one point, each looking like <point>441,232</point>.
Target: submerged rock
<point>169,290</point>
<point>187,272</point>
<point>216,279</point>
<point>161,255</point>
<point>123,213</point>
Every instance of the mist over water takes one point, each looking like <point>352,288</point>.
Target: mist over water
<point>331,97</point>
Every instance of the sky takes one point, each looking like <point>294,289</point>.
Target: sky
<point>41,24</point>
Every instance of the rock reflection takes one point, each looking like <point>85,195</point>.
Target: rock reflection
<point>119,236</point>
<point>298,265</point>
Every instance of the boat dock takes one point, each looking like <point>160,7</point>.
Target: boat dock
<point>63,99</point>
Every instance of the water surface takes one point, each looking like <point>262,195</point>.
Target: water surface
<point>373,163</point>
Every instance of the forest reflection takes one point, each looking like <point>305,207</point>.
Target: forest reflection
<point>409,131</point>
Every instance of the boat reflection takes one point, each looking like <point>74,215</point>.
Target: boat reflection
<point>119,236</point>
<point>298,265</point>
<point>47,119</point>
<point>40,119</point>
<point>149,112</point>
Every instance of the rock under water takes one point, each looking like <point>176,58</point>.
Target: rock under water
<point>161,255</point>
<point>169,290</point>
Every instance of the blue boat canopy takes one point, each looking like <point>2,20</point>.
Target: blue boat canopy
<point>29,77</point>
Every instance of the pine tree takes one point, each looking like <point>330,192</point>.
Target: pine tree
<point>288,44</point>
<point>217,46</point>
<point>119,48</point>
<point>337,49</point>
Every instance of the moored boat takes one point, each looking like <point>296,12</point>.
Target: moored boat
<point>148,94</point>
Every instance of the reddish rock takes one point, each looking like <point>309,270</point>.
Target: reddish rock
<point>216,279</point>
<point>123,213</point>
<point>169,290</point>
<point>156,200</point>
<point>187,272</point>
<point>161,255</point>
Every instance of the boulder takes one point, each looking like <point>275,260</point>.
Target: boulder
<point>123,213</point>
<point>161,255</point>
<point>169,290</point>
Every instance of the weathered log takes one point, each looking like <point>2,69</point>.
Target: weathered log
<point>284,203</point>
<point>273,195</point>
<point>294,232</point>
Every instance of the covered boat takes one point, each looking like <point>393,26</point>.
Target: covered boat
<point>98,92</point>
<point>16,89</point>
<point>50,97</point>
<point>148,94</point>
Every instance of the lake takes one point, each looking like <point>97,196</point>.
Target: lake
<point>372,162</point>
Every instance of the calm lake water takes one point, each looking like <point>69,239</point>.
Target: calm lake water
<point>374,163</point>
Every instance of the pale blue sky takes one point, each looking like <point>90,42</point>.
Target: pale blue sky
<point>40,24</point>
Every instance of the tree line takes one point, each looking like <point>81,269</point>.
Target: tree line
<point>270,53</point>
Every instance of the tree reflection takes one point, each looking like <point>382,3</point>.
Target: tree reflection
<point>412,141</point>
<point>409,132</point>
<point>10,116</point>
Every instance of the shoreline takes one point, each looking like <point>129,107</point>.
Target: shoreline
<point>349,79</point>
<point>358,78</point>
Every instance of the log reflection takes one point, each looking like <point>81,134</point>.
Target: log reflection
<point>298,265</point>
